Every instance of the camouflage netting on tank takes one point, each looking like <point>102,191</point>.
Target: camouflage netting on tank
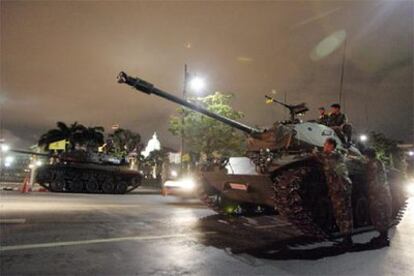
<point>277,137</point>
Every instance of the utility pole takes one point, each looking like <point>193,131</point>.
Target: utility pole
<point>341,83</point>
<point>183,119</point>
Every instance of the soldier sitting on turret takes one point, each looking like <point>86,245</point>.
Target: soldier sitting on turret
<point>338,121</point>
<point>323,118</point>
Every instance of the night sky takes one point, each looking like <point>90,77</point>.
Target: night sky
<point>59,61</point>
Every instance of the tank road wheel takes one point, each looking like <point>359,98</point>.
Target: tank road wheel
<point>398,194</point>
<point>136,181</point>
<point>215,201</point>
<point>108,186</point>
<point>58,183</point>
<point>361,211</point>
<point>121,187</point>
<point>75,185</point>
<point>92,185</point>
<point>290,200</point>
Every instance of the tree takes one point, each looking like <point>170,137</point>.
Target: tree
<point>93,137</point>
<point>77,135</point>
<point>387,150</point>
<point>152,164</point>
<point>204,135</point>
<point>123,142</point>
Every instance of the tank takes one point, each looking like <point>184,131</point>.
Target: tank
<point>82,172</point>
<point>280,174</point>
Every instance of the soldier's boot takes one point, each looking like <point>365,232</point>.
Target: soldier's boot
<point>346,242</point>
<point>381,240</point>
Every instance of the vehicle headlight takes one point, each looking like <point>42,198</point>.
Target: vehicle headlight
<point>410,187</point>
<point>187,183</point>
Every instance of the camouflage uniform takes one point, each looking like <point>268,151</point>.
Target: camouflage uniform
<point>339,123</point>
<point>323,119</point>
<point>338,119</point>
<point>339,189</point>
<point>379,195</point>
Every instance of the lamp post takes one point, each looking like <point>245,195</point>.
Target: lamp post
<point>196,84</point>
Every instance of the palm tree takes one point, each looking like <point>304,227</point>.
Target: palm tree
<point>77,135</point>
<point>93,137</point>
<point>61,132</point>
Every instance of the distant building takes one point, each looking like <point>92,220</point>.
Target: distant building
<point>153,144</point>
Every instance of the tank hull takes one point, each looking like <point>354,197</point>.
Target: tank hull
<point>88,178</point>
<point>313,213</point>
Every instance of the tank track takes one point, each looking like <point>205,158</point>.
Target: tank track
<point>75,180</point>
<point>400,213</point>
<point>212,203</point>
<point>288,201</point>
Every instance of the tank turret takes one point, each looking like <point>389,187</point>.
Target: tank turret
<point>282,136</point>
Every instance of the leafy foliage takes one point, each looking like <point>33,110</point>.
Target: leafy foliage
<point>154,159</point>
<point>123,142</point>
<point>76,134</point>
<point>387,150</point>
<point>203,135</point>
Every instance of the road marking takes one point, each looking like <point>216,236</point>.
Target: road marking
<point>71,243</point>
<point>12,221</point>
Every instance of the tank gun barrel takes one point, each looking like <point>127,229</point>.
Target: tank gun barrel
<point>30,152</point>
<point>149,88</point>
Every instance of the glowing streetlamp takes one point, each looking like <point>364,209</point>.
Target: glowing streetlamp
<point>411,153</point>
<point>363,138</point>
<point>4,147</point>
<point>197,84</point>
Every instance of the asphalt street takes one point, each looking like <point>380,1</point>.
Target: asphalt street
<point>147,234</point>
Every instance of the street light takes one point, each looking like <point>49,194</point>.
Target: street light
<point>411,153</point>
<point>197,84</point>
<point>363,138</point>
<point>5,147</point>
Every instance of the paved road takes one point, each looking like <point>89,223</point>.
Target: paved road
<point>144,234</point>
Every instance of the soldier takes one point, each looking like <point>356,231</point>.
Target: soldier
<point>323,117</point>
<point>379,197</point>
<point>339,189</point>
<point>338,121</point>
